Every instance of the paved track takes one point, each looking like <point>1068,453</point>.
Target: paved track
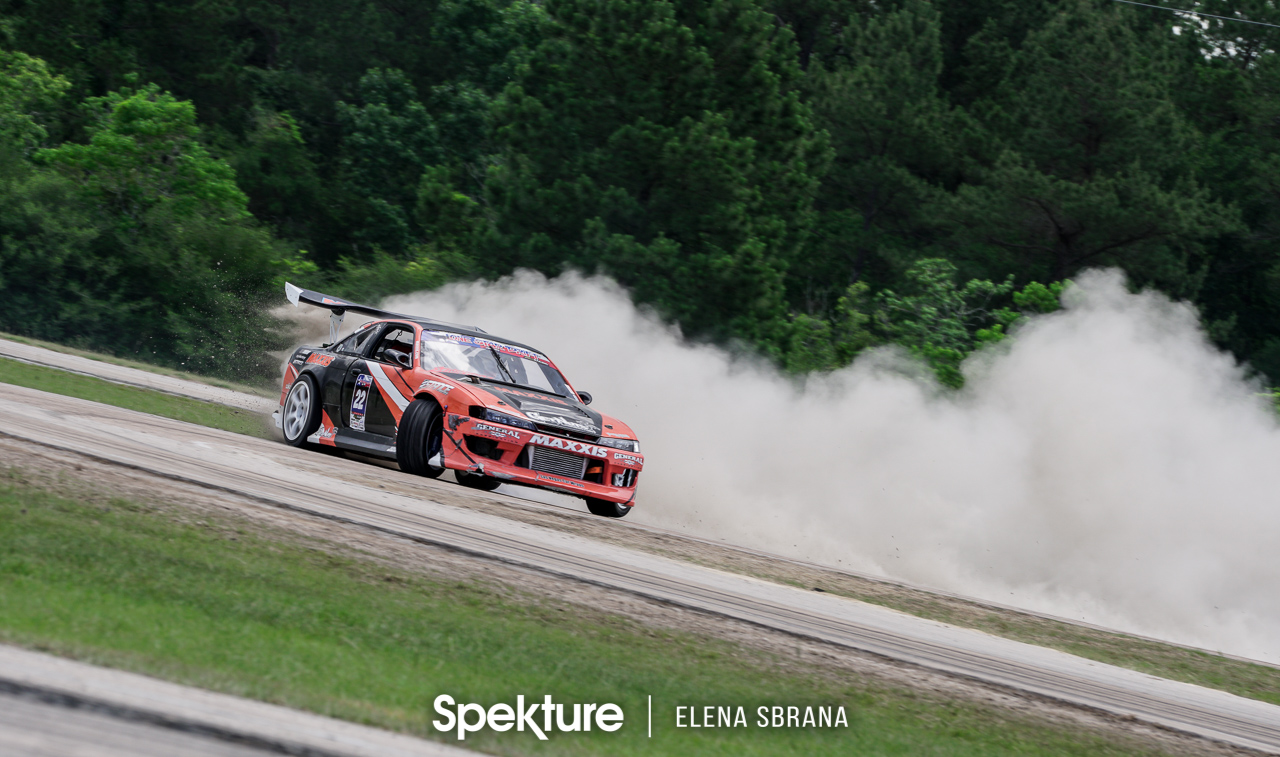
<point>134,377</point>
<point>63,708</point>
<point>324,485</point>
<point>32,728</point>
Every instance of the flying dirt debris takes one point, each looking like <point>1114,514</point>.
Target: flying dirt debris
<point>436,396</point>
<point>1106,464</point>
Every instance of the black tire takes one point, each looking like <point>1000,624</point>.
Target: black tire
<point>477,481</point>
<point>300,416</point>
<point>419,438</point>
<point>606,509</point>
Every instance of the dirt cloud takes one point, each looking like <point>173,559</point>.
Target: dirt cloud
<point>1108,464</point>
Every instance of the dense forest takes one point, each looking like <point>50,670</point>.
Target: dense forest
<point>801,178</point>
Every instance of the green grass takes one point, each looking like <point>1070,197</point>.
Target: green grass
<point>133,398</point>
<point>230,605</point>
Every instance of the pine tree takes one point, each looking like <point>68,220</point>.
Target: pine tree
<point>1099,166</point>
<point>666,144</point>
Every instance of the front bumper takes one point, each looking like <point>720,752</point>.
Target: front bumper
<point>540,459</point>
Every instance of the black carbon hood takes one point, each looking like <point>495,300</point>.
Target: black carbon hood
<point>550,410</point>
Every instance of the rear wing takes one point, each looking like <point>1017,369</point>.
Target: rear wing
<point>338,308</point>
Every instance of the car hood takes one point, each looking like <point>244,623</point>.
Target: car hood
<point>549,410</point>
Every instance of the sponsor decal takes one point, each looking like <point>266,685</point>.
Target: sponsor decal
<point>501,433</point>
<point>319,359</point>
<point>330,301</point>
<point>520,393</point>
<point>624,457</point>
<point>325,432</point>
<point>557,420</point>
<point>439,386</point>
<point>560,481</point>
<point>569,445</point>
<point>360,401</point>
<point>475,341</point>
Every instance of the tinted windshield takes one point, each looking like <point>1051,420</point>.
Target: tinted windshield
<point>490,359</point>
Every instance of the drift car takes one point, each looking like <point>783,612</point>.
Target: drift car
<point>434,396</point>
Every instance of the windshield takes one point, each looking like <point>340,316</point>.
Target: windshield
<point>489,359</point>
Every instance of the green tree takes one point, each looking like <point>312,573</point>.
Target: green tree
<point>144,152</point>
<point>1100,167</point>
<point>174,270</point>
<point>1232,91</point>
<point>28,92</point>
<point>665,143</point>
<point>937,320</point>
<point>895,139</point>
<point>278,174</point>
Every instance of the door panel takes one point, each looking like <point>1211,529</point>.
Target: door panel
<point>389,398</point>
<point>334,401</point>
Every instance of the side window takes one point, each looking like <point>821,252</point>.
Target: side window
<point>398,338</point>
<point>352,344</point>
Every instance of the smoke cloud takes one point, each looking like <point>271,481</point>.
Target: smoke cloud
<point>1108,464</point>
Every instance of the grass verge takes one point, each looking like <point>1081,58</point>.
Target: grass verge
<point>238,607</point>
<point>133,398</point>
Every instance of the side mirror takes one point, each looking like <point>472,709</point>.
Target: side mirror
<point>404,360</point>
<point>585,397</point>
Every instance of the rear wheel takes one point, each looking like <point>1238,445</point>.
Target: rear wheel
<point>477,480</point>
<point>607,509</point>
<point>301,414</point>
<point>419,438</point>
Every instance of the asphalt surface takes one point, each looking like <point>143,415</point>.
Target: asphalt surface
<point>38,729</point>
<point>133,377</point>
<point>327,486</point>
<point>63,708</point>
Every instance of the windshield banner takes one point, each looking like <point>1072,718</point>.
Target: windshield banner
<point>447,336</point>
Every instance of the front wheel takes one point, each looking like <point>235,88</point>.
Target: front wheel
<point>420,438</point>
<point>477,480</point>
<point>607,509</point>
<point>300,416</point>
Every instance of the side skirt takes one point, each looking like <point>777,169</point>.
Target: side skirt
<point>368,444</point>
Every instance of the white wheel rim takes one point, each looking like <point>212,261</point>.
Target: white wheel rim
<point>297,409</point>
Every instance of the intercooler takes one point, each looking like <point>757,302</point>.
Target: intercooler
<point>556,462</point>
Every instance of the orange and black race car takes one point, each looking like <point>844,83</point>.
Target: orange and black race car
<point>434,396</point>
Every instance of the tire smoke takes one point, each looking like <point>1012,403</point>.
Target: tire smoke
<point>1106,464</point>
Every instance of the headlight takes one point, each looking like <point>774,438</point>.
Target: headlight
<point>629,445</point>
<point>493,416</point>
